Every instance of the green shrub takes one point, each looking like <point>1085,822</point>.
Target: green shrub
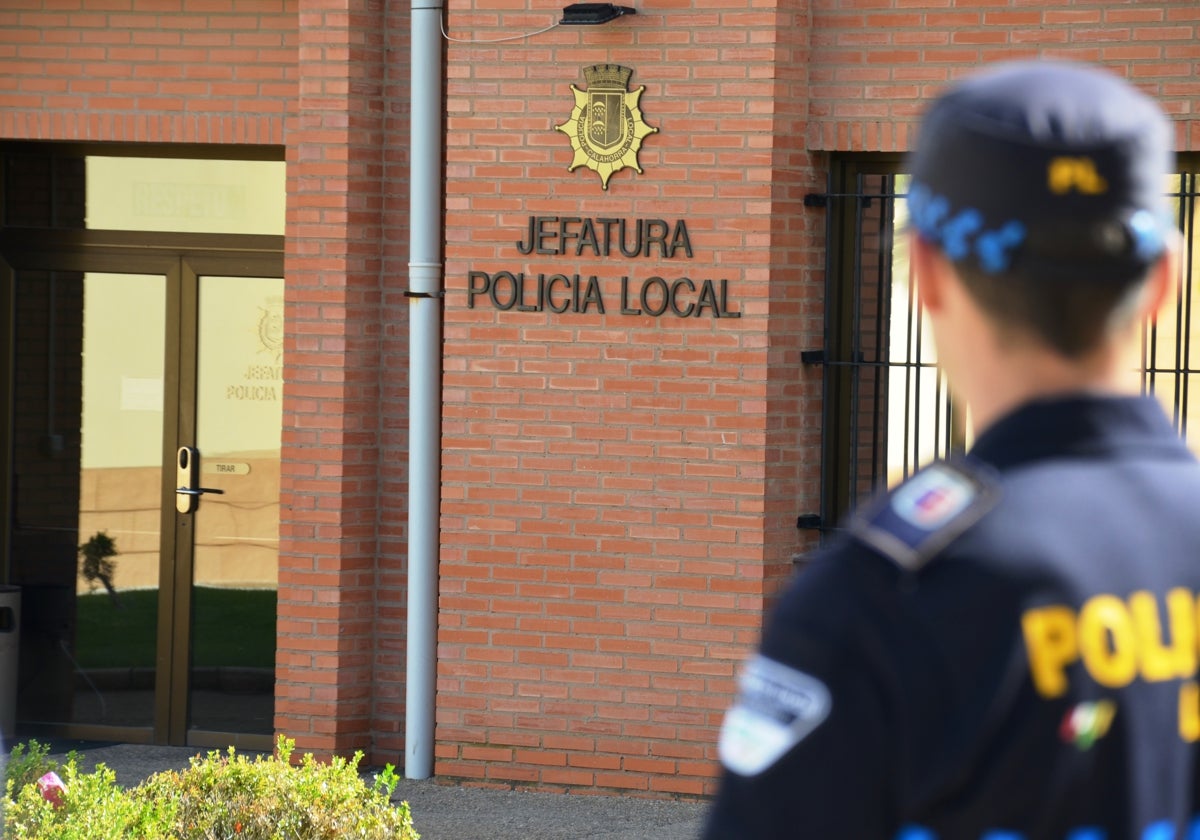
<point>26,764</point>
<point>94,807</point>
<point>219,797</point>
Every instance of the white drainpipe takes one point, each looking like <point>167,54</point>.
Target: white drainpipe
<point>425,276</point>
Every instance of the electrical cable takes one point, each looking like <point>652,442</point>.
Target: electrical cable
<point>445,35</point>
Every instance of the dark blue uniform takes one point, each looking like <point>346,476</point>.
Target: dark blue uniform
<point>1003,648</point>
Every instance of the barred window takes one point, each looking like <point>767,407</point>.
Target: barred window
<point>887,408</point>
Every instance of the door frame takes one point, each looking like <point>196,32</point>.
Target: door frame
<point>192,267</point>
<point>181,259</point>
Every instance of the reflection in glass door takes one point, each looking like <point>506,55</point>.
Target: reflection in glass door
<point>88,445</point>
<point>120,498</point>
<point>235,559</point>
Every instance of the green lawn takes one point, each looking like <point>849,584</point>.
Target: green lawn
<point>230,627</point>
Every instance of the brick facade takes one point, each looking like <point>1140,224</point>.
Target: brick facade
<point>874,63</point>
<point>619,490</point>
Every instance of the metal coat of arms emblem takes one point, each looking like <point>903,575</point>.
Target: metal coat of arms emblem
<point>606,127</point>
<point>270,328</point>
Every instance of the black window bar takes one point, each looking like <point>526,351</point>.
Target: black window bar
<point>1166,344</point>
<point>887,409</point>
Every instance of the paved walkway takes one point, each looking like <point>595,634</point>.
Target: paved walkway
<point>449,812</point>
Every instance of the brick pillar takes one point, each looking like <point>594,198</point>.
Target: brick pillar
<point>391,594</point>
<point>797,291</point>
<point>328,539</point>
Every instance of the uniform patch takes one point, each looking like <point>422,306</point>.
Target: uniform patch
<point>1087,723</point>
<point>933,498</point>
<point>920,517</point>
<point>777,707</point>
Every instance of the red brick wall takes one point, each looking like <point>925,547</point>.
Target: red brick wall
<point>792,446</point>
<point>202,71</point>
<point>620,491</point>
<point>391,609</point>
<point>874,63</point>
<point>331,472</point>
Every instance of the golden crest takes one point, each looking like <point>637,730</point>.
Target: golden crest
<point>606,127</point>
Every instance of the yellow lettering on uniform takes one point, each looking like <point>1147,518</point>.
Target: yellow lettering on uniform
<point>1108,641</point>
<point>1189,711</point>
<point>1181,611</point>
<point>1197,627</point>
<point>1079,173</point>
<point>1051,644</point>
<point>1161,660</point>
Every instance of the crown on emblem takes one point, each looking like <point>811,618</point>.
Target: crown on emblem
<point>607,76</point>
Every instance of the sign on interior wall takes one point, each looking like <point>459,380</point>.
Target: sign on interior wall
<point>606,127</point>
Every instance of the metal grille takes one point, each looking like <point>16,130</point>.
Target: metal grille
<point>1168,360</point>
<point>888,411</point>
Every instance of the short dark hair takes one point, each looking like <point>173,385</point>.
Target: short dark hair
<point>1070,314</point>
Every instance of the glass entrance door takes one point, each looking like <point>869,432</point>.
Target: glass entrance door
<point>235,529</point>
<point>120,481</point>
<point>150,593</point>
<point>85,544</point>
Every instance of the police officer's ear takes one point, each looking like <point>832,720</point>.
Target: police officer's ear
<point>930,268</point>
<point>1161,278</point>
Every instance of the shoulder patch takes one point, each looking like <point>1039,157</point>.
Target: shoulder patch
<point>777,707</point>
<point>911,524</point>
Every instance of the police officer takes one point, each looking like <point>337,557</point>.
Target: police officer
<point>1005,647</point>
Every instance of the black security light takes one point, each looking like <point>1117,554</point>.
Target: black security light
<point>593,14</point>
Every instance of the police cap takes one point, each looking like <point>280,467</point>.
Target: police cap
<point>1045,166</point>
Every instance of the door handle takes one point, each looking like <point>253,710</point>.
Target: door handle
<point>187,477</point>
